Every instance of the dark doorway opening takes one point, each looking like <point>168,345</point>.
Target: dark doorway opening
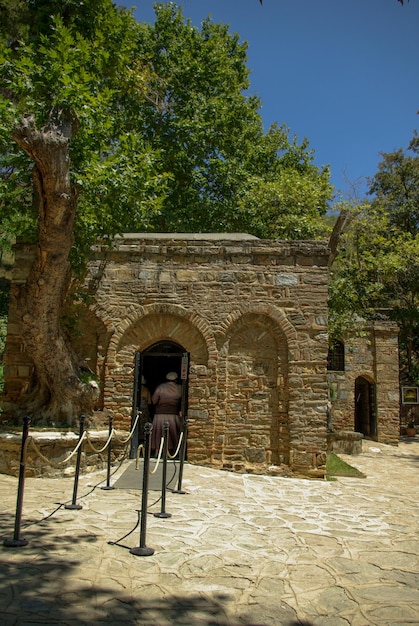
<point>365,408</point>
<point>160,359</point>
<point>151,369</point>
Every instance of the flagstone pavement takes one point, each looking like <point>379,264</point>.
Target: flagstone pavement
<point>238,550</point>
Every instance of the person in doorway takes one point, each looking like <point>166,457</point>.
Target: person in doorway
<point>166,399</point>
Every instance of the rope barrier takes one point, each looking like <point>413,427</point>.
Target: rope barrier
<point>182,455</point>
<point>25,451</point>
<point>163,513</point>
<point>17,540</point>
<point>138,454</point>
<point>142,549</point>
<point>27,441</point>
<point>158,456</point>
<point>174,455</point>
<point>101,449</point>
<point>74,506</point>
<point>59,463</point>
<point>124,441</point>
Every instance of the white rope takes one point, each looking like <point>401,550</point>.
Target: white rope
<point>25,451</point>
<point>177,449</point>
<point>84,436</point>
<point>124,441</point>
<point>44,458</point>
<point>101,449</point>
<point>137,456</point>
<point>158,457</point>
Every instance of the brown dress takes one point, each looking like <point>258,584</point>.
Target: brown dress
<point>166,399</point>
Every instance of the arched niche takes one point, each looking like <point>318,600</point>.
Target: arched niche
<point>255,354</point>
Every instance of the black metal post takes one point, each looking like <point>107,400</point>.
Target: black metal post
<point>108,473</point>
<point>17,540</point>
<point>73,505</point>
<point>142,549</point>
<point>135,404</point>
<point>184,409</point>
<point>164,473</point>
<point>182,455</point>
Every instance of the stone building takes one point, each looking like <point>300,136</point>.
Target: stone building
<point>363,376</point>
<point>244,323</point>
<point>250,315</point>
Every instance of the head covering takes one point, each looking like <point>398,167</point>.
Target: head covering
<point>171,376</point>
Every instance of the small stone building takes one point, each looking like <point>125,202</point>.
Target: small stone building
<point>363,376</point>
<point>244,322</point>
<point>250,315</point>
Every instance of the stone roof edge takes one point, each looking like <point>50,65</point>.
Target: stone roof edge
<point>282,246</point>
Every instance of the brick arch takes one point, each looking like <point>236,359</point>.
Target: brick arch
<point>275,317</point>
<point>145,325</point>
<point>367,375</point>
<point>142,327</point>
<point>90,338</point>
<point>254,358</point>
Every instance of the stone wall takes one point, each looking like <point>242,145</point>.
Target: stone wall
<point>371,359</point>
<point>49,453</point>
<point>251,313</point>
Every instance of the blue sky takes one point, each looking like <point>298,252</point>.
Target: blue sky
<point>343,73</point>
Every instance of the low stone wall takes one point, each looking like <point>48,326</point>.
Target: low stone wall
<point>56,447</point>
<point>345,442</point>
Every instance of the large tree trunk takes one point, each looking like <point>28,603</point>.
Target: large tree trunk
<point>57,395</point>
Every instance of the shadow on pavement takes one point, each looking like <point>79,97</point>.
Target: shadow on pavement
<point>39,586</point>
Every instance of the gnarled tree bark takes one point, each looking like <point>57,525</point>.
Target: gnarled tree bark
<point>57,394</point>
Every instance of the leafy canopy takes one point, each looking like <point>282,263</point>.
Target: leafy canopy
<point>377,269</point>
<point>167,136</point>
<point>89,76</point>
<point>226,174</point>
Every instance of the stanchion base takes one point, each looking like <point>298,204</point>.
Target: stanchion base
<point>162,515</point>
<point>15,543</point>
<point>73,507</point>
<point>177,491</point>
<point>107,488</point>
<point>142,551</point>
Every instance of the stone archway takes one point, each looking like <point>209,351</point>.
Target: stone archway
<point>158,359</point>
<point>256,404</point>
<point>168,327</point>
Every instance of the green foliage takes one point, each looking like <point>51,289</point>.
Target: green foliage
<point>167,138</point>
<point>225,173</point>
<point>89,77</point>
<point>377,270</point>
<point>396,187</point>
<point>289,199</point>
<point>335,466</point>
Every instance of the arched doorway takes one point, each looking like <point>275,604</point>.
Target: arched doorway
<point>365,408</point>
<point>158,360</point>
<point>151,368</point>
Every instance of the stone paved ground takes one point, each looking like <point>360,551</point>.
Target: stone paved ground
<point>238,550</point>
